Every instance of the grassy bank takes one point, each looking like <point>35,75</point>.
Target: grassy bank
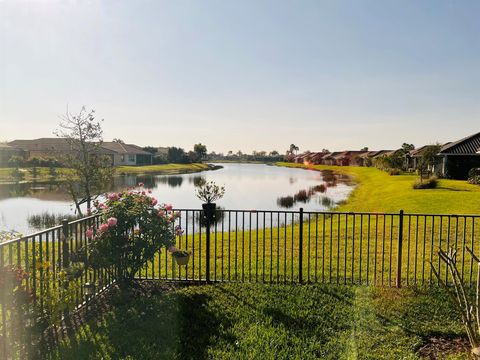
<point>45,174</point>
<point>377,191</point>
<point>246,321</point>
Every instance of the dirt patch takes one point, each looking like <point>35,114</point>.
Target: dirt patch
<point>439,348</point>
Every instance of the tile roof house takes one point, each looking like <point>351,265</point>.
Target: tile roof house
<point>128,154</point>
<point>458,157</point>
<point>121,154</point>
<point>317,157</point>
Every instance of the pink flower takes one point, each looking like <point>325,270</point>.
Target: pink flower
<point>149,191</point>
<point>113,196</point>
<point>112,222</point>
<point>103,228</point>
<point>178,230</point>
<point>143,192</point>
<point>89,233</point>
<point>172,249</point>
<point>168,207</point>
<point>141,184</point>
<point>154,201</point>
<point>161,213</point>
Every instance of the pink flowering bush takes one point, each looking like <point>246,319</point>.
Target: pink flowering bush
<point>134,228</point>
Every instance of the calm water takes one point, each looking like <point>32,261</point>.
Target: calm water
<point>248,186</point>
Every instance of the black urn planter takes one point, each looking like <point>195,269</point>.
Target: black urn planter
<point>209,212</point>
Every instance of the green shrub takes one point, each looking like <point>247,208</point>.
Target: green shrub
<point>474,176</point>
<point>430,183</point>
<point>134,228</point>
<point>394,171</point>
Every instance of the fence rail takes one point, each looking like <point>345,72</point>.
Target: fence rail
<point>389,249</point>
<point>46,257</point>
<point>386,249</point>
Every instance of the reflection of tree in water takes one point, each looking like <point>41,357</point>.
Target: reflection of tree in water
<point>149,181</point>
<point>172,181</point>
<point>285,202</point>
<point>197,181</point>
<point>327,202</point>
<point>302,196</point>
<point>219,215</point>
<point>47,220</point>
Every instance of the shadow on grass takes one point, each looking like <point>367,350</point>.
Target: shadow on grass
<point>160,326</point>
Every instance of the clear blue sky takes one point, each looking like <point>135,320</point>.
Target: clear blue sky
<point>249,75</point>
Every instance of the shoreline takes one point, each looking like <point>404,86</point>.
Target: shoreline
<point>378,192</point>
<point>44,175</point>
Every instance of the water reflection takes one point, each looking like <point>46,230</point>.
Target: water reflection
<point>248,186</point>
<point>219,216</point>
<point>330,180</point>
<point>172,181</point>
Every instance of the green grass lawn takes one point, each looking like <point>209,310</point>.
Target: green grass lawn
<point>377,191</point>
<point>283,321</point>
<point>246,321</point>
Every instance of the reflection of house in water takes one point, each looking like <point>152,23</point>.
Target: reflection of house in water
<point>50,191</point>
<point>124,181</point>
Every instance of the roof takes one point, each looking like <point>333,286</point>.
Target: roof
<point>372,153</point>
<point>381,153</point>
<point>332,155</point>
<point>121,148</point>
<point>348,153</point>
<point>467,146</point>
<point>43,144</point>
<point>62,144</point>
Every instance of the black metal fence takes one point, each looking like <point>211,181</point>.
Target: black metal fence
<point>386,249</point>
<point>46,257</point>
<point>389,249</point>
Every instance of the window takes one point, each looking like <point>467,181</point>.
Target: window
<point>131,158</point>
<point>123,158</point>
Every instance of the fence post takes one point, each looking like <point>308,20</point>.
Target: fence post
<point>399,254</point>
<point>300,248</point>
<point>209,213</point>
<point>65,249</point>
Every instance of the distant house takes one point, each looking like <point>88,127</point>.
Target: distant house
<point>317,157</point>
<point>6,153</point>
<point>128,154</point>
<point>458,157</point>
<point>345,158</point>
<point>331,158</point>
<point>121,154</point>
<point>300,159</point>
<point>415,155</point>
<point>367,158</point>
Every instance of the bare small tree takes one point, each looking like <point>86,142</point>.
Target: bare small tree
<point>468,308</point>
<point>91,170</point>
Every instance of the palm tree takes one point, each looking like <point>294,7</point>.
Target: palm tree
<point>294,148</point>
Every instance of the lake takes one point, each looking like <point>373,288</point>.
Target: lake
<point>248,187</point>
